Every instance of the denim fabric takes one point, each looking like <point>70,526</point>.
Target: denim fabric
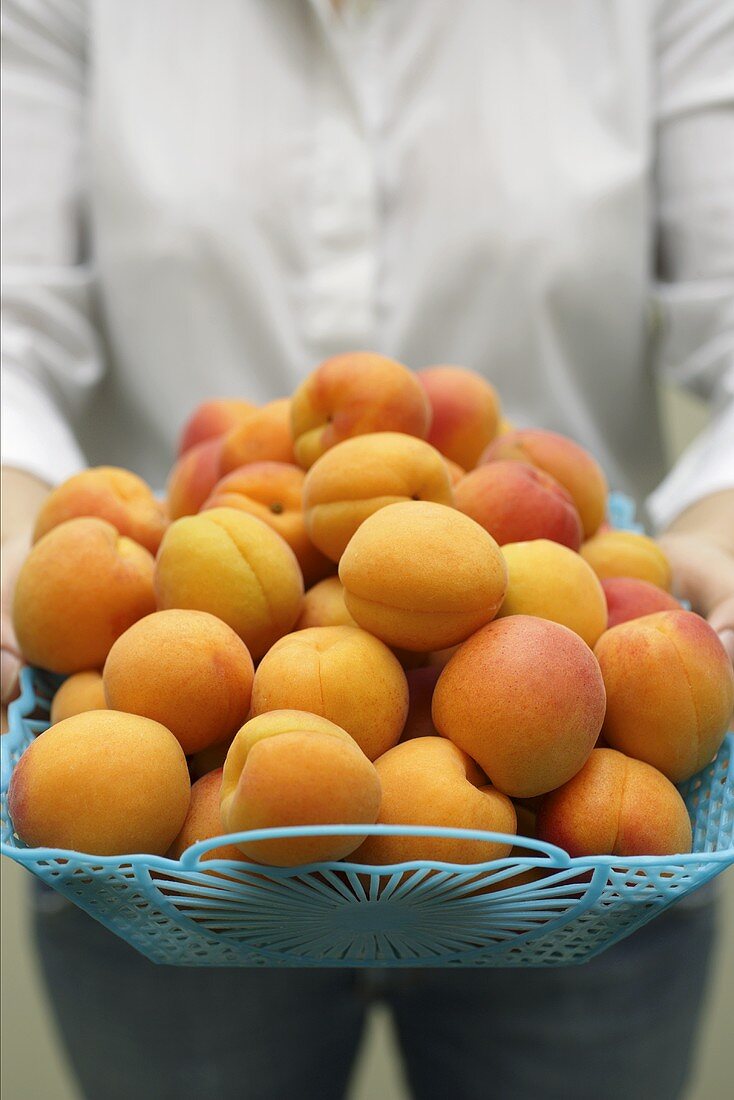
<point>619,1028</point>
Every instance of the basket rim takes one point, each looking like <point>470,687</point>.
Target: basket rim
<point>191,859</point>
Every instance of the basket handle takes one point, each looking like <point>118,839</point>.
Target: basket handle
<point>192,857</point>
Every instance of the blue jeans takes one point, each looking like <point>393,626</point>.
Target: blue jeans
<point>621,1027</point>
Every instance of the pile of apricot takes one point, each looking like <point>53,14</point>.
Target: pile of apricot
<point>373,602</point>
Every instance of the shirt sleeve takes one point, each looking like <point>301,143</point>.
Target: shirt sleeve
<point>50,353</point>
<point>694,292</point>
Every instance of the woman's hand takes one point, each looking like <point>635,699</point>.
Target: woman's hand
<point>22,495</point>
<point>700,546</point>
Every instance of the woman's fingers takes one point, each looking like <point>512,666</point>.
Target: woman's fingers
<point>14,552</point>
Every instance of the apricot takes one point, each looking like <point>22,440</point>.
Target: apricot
<point>193,478</point>
<point>288,768</point>
<point>213,419</point>
<point>354,394</point>
<point>566,461</point>
<point>101,782</point>
<point>409,659</point>
<point>670,691</point>
<point>273,491</point>
<point>356,478</point>
<point>209,759</point>
<point>421,684</point>
<point>456,472</point>
<point>323,605</point>
<point>81,586</point>
<point>429,781</point>
<point>616,806</point>
<point>81,692</point>
<point>422,576</point>
<point>263,436</point>
<point>517,502</point>
<point>527,821</point>
<point>236,567</point>
<point>441,657</point>
<point>465,411</point>
<point>552,582</point>
<point>525,698</point>
<point>107,492</point>
<point>628,598</point>
<point>627,554</point>
<point>341,673</point>
<point>204,821</point>
<point>185,669</point>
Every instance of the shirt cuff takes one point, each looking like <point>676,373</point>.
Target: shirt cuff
<point>35,436</point>
<point>706,467</point>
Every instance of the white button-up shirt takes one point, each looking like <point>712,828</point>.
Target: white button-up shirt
<point>208,199</point>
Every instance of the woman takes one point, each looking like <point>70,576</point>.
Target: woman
<point>207,201</point>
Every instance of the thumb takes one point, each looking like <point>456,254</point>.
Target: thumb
<point>10,665</point>
<point>10,659</point>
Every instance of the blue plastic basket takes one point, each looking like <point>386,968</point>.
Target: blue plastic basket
<point>541,908</point>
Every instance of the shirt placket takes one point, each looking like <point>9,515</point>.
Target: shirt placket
<point>341,279</point>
